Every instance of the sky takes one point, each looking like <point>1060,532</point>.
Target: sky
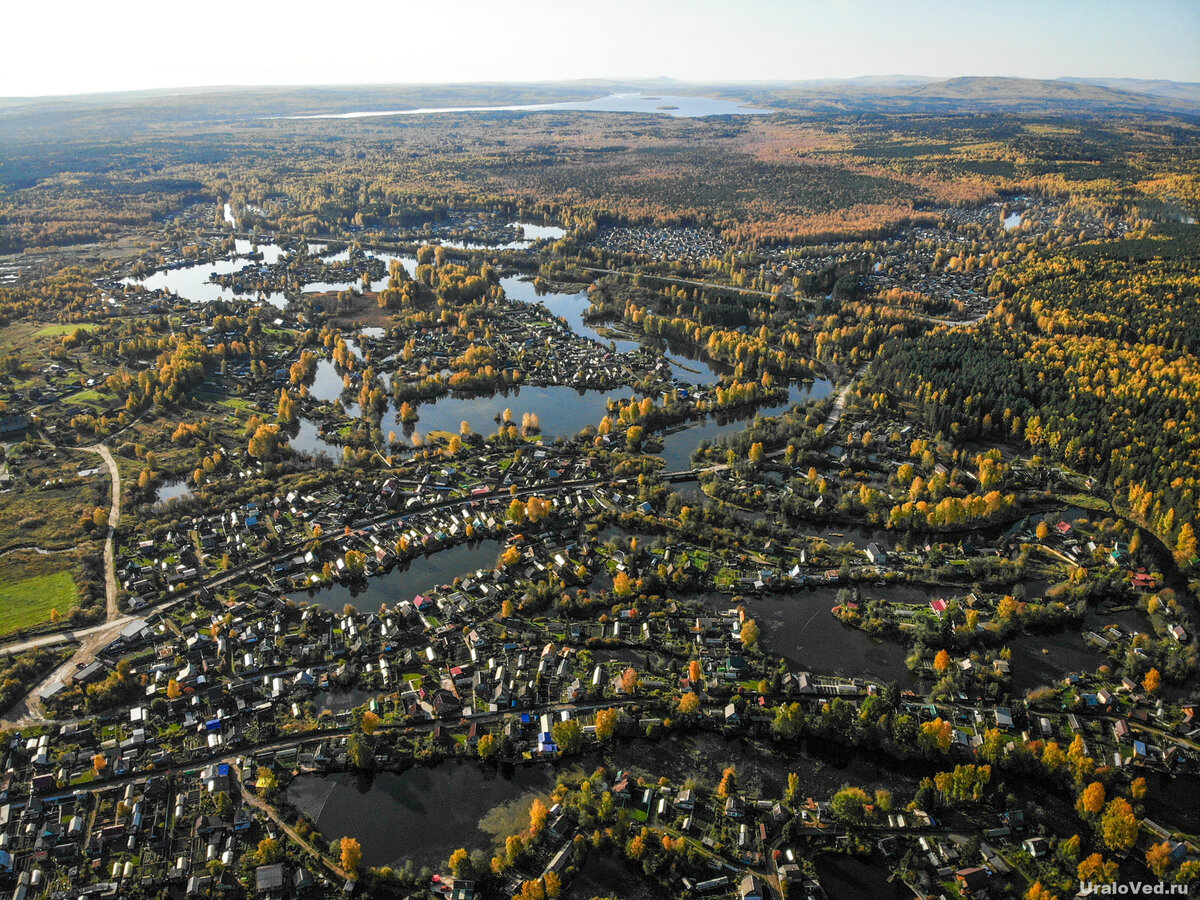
<point>83,47</point>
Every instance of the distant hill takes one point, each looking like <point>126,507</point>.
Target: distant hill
<point>33,118</point>
<point>999,94</point>
<point>1021,92</point>
<point>1179,90</point>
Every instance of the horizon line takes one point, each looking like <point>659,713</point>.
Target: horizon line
<point>616,80</point>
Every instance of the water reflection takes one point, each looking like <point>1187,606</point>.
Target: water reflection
<point>679,446</point>
<point>562,410</point>
<point>679,107</point>
<point>172,490</point>
<point>406,581</point>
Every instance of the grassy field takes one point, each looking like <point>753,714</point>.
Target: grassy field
<point>28,601</point>
<point>31,515</point>
<point>59,330</point>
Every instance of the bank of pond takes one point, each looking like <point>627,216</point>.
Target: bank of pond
<point>433,810</point>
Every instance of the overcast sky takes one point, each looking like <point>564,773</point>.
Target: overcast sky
<point>76,47</point>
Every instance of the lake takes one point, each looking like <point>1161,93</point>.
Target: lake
<point>637,102</point>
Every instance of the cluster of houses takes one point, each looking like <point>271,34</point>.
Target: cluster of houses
<point>178,831</point>
<point>290,272</point>
<point>679,244</point>
<point>156,566</point>
<point>522,338</point>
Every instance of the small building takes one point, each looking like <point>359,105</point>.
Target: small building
<point>1037,847</point>
<point>973,881</point>
<point>751,888</point>
<point>268,880</point>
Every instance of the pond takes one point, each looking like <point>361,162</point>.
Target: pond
<point>689,363</point>
<point>1167,800</point>
<point>837,534</point>
<point>637,102</point>
<point>408,263</point>
<point>530,234</point>
<point>607,875</point>
<point>762,768</point>
<point>561,410</point>
<point>271,253</point>
<point>432,811</point>
<point>405,581</point>
<point>800,628</point>
<point>1041,659</point>
<point>173,490</point>
<point>423,814</point>
<point>1012,221</point>
<point>327,384</point>
<point>337,700</point>
<point>854,878</point>
<point>191,282</point>
<point>308,440</point>
<point>568,306</point>
<point>679,446</point>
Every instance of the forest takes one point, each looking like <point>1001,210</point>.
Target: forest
<point>1090,358</point>
<point>797,175</point>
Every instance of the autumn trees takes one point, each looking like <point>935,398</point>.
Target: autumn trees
<point>606,723</point>
<point>750,635</point>
<point>350,855</point>
<point>1089,359</point>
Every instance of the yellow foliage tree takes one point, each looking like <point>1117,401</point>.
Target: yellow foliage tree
<point>1092,800</point>
<point>606,724</point>
<point>351,855</point>
<point>1158,858</point>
